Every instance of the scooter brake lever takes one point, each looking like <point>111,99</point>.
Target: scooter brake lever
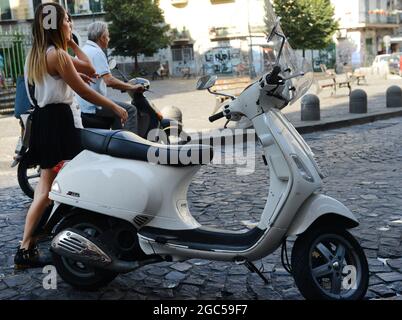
<point>301,74</point>
<point>226,124</point>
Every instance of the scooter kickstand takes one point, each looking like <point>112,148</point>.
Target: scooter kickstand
<point>254,269</point>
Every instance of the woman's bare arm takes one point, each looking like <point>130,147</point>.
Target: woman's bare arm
<point>84,67</point>
<point>73,79</point>
<point>81,62</point>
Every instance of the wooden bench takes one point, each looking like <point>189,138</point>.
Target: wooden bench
<point>231,86</point>
<point>355,75</point>
<point>343,81</point>
<point>324,81</point>
<point>329,79</point>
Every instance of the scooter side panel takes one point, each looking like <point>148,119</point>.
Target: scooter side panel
<point>288,190</point>
<point>124,188</point>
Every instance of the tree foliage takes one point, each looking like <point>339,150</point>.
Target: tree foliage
<point>137,27</point>
<point>308,24</point>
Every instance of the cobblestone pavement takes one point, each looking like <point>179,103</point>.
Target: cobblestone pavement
<point>364,166</point>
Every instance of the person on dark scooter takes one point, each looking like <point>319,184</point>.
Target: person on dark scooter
<point>95,116</point>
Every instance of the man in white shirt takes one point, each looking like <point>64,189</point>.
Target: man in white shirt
<point>98,40</point>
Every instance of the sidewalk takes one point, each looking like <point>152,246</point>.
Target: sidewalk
<point>197,106</point>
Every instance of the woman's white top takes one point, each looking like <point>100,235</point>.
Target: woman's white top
<point>52,90</point>
<point>75,108</point>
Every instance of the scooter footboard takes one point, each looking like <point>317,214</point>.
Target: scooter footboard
<point>324,209</point>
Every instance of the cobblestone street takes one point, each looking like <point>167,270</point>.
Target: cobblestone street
<point>363,164</point>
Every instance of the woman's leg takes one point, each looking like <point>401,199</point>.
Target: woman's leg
<point>38,206</point>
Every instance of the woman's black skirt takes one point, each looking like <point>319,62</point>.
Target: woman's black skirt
<point>54,137</point>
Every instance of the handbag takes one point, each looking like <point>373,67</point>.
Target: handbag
<point>22,103</point>
<point>27,117</point>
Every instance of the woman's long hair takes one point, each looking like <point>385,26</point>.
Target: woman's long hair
<point>42,39</point>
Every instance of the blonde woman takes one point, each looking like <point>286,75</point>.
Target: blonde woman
<point>54,138</point>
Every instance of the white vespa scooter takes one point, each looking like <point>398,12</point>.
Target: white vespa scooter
<point>122,203</point>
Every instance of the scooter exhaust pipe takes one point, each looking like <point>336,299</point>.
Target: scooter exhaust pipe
<point>75,245</point>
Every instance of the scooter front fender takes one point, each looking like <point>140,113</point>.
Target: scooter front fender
<point>321,208</point>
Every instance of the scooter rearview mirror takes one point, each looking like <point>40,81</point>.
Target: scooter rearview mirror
<point>206,82</point>
<point>273,31</point>
<point>112,64</point>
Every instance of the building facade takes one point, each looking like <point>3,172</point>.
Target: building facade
<point>228,36</point>
<point>364,26</point>
<point>17,15</point>
<point>210,36</point>
<point>216,36</point>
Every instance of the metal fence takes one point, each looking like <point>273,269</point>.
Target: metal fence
<point>14,47</point>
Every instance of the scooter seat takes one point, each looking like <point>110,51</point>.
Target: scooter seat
<point>127,145</point>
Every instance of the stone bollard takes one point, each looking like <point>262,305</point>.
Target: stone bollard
<point>310,108</point>
<point>394,97</point>
<point>358,101</point>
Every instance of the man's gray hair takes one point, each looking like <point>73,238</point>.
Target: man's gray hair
<point>96,30</point>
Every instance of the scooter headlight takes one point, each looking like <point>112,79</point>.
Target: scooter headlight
<point>304,172</point>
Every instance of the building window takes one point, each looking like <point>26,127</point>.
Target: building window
<point>183,53</point>
<point>177,54</point>
<point>84,6</point>
<point>25,9</point>
<point>36,3</point>
<point>22,9</point>
<point>16,9</point>
<point>5,10</point>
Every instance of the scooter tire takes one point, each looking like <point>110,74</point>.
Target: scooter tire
<point>301,262</point>
<point>98,278</point>
<point>22,175</point>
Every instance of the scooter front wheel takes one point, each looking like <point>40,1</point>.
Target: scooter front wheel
<point>329,264</point>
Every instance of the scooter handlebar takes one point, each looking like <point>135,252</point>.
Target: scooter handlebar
<point>216,117</point>
<point>273,78</point>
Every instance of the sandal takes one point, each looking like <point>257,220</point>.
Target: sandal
<point>31,258</point>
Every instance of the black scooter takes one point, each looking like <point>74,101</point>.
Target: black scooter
<point>149,117</point>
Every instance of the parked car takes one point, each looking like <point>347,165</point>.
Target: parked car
<point>395,63</point>
<point>380,64</point>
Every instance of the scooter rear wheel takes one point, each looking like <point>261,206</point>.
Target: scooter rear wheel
<point>28,177</point>
<point>329,264</point>
<point>78,274</point>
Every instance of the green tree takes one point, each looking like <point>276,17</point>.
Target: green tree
<point>137,27</point>
<point>308,24</point>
